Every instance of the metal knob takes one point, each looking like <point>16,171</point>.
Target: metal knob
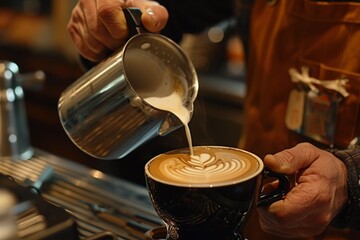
<point>14,134</point>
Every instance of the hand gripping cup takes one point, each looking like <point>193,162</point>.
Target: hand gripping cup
<point>208,195</point>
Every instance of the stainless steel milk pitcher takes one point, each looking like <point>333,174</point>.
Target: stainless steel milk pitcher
<point>104,113</point>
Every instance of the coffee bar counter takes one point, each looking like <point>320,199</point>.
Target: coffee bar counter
<point>76,202</point>
<point>71,201</point>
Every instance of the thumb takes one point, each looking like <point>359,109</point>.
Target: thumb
<point>154,16</point>
<point>291,160</point>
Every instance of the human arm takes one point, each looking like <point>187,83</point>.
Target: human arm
<point>350,214</point>
<point>319,194</point>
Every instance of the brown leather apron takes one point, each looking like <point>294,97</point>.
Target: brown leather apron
<point>290,34</point>
<point>323,36</point>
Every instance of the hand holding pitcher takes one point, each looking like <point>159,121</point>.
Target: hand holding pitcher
<point>109,111</point>
<point>99,27</point>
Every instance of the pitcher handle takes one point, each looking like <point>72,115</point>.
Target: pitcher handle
<point>133,21</point>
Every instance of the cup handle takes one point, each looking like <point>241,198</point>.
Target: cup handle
<point>133,21</point>
<point>277,194</point>
<point>157,233</point>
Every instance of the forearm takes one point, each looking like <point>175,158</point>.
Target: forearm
<point>350,216</point>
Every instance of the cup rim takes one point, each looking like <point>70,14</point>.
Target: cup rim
<point>202,185</point>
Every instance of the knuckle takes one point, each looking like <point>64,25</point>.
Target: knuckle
<point>308,148</point>
<point>281,218</point>
<point>94,30</point>
<point>305,145</point>
<point>325,219</point>
<point>286,160</point>
<point>107,12</point>
<point>113,21</point>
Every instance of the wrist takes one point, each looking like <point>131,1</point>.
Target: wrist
<point>349,216</point>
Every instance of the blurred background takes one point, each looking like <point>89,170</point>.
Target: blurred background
<point>33,35</point>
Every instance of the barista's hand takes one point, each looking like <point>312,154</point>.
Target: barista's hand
<point>98,27</point>
<point>319,193</point>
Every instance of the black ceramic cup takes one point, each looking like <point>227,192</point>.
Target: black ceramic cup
<point>208,195</point>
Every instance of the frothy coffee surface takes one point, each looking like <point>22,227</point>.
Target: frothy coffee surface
<point>209,166</point>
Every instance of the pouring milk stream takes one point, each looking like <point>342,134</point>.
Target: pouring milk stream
<point>164,90</point>
<point>143,90</point>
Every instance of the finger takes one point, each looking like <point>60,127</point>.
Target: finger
<point>272,220</point>
<point>89,16</point>
<point>291,160</point>
<point>94,44</point>
<point>302,201</point>
<point>154,18</point>
<point>78,32</point>
<point>110,12</point>
<point>99,39</point>
<point>270,187</point>
<point>112,18</point>
<point>83,49</point>
<point>307,227</point>
<point>104,37</point>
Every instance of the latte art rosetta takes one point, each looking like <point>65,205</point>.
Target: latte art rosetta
<point>202,167</point>
<point>209,167</point>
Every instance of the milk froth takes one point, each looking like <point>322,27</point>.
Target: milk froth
<point>160,87</point>
<point>209,166</point>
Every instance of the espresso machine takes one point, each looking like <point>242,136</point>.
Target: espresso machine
<point>44,196</point>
